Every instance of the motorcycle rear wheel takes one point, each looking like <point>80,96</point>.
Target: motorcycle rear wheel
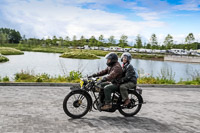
<point>134,107</point>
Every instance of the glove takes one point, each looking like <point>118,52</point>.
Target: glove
<point>102,80</point>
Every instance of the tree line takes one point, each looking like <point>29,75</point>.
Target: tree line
<point>12,36</point>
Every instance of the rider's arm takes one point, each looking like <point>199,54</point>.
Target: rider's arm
<point>103,72</point>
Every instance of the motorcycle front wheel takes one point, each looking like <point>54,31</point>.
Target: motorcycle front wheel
<point>134,107</point>
<point>76,104</point>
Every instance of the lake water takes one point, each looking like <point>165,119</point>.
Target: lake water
<point>51,63</point>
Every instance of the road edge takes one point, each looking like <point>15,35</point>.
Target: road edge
<point>76,84</point>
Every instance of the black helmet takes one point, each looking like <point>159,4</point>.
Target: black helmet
<point>128,55</point>
<point>113,57</point>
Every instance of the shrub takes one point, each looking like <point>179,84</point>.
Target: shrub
<point>6,79</point>
<point>24,76</point>
<point>74,75</point>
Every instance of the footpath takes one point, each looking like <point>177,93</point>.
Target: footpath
<point>31,109</point>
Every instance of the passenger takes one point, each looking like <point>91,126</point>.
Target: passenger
<point>129,79</point>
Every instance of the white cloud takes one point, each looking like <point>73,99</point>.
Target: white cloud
<point>188,5</point>
<point>149,15</point>
<point>40,19</point>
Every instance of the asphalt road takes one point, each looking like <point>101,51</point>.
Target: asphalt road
<point>39,110</point>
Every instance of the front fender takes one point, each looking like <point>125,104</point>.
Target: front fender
<point>73,88</point>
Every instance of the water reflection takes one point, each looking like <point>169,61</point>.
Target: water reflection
<point>52,64</point>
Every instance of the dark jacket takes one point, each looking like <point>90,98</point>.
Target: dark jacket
<point>129,74</point>
<point>114,73</point>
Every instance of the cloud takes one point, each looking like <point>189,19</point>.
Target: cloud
<point>47,18</point>
<point>192,5</point>
<point>149,15</point>
<point>187,7</point>
<point>40,19</point>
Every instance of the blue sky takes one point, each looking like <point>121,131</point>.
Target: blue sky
<point>45,18</point>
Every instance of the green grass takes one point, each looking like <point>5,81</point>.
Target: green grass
<point>97,52</point>
<point>50,50</point>
<point>3,59</point>
<point>148,56</point>
<point>74,77</point>
<point>24,76</point>
<point>10,51</point>
<point>155,80</point>
<point>4,79</point>
<point>79,55</point>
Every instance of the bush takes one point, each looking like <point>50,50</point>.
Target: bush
<point>74,75</point>
<point>24,76</point>
<point>6,79</point>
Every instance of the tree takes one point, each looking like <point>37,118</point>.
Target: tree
<point>111,40</point>
<point>92,41</point>
<point>74,41</point>
<point>14,36</point>
<point>67,38</point>
<point>48,41</point>
<point>153,41</point>
<point>138,41</point>
<point>66,41</point>
<point>101,40</point>
<point>11,35</point>
<point>54,40</point>
<point>148,46</point>
<point>82,40</point>
<point>3,38</point>
<point>61,41</point>
<point>123,41</point>
<point>190,38</point>
<point>168,42</point>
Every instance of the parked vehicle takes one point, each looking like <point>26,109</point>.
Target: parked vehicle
<point>126,49</point>
<point>179,52</point>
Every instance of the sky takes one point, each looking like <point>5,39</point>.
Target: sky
<point>46,18</point>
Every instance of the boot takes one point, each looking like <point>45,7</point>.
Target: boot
<point>126,102</point>
<point>106,107</point>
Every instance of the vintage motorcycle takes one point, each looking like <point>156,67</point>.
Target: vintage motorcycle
<point>79,101</point>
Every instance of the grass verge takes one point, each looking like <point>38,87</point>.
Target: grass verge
<point>10,51</point>
<point>79,55</point>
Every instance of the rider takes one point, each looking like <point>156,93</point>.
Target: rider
<point>129,79</point>
<point>110,83</point>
